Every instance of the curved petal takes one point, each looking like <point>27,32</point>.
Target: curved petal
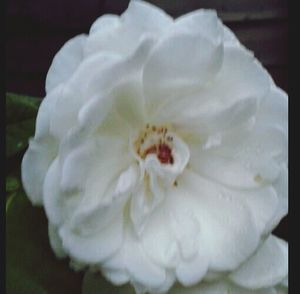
<point>120,35</point>
<point>273,111</point>
<point>41,151</point>
<point>241,76</point>
<point>58,206</point>
<point>219,287</point>
<point>35,164</point>
<point>77,91</point>
<point>170,73</point>
<point>281,187</point>
<point>132,259</point>
<point>55,241</point>
<point>94,248</point>
<point>266,268</point>
<point>65,62</point>
<point>241,83</point>
<point>105,23</point>
<point>228,231</point>
<point>122,72</point>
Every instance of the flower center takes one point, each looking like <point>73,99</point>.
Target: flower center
<point>155,140</point>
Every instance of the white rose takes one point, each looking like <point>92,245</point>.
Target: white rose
<point>160,151</point>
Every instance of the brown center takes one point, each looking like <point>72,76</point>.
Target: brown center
<point>163,152</point>
<point>155,140</point>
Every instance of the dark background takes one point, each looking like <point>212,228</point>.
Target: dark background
<point>36,30</point>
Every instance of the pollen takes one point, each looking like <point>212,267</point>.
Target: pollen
<point>155,140</point>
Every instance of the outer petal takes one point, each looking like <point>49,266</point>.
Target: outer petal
<point>95,248</point>
<point>77,91</point>
<point>65,62</point>
<point>237,88</point>
<point>123,72</point>
<point>41,151</point>
<point>219,287</point>
<point>170,72</point>
<point>266,268</point>
<point>228,231</point>
<point>55,241</point>
<point>120,35</point>
<point>281,187</point>
<point>274,110</point>
<point>133,260</point>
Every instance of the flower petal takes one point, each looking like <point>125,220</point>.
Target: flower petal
<point>55,241</point>
<point>274,110</point>
<point>94,248</point>
<point>104,199</point>
<point>281,187</point>
<point>105,23</point>
<point>266,268</point>
<point>169,72</point>
<point>58,205</point>
<point>41,151</point>
<point>133,259</point>
<point>123,72</point>
<point>219,287</point>
<point>65,62</point>
<point>35,164</point>
<point>120,35</point>
<point>76,91</point>
<point>229,232</point>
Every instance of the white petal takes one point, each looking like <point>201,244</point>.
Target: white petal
<point>134,260</point>
<point>77,91</point>
<point>274,110</point>
<point>191,272</point>
<point>115,276</point>
<point>121,35</point>
<point>260,199</point>
<point>41,151</point>
<point>146,17</point>
<point>58,205</point>
<point>281,187</point>
<point>219,287</point>
<point>53,198</point>
<point>228,231</point>
<point>104,199</point>
<point>77,166</point>
<point>65,62</point>
<point>170,72</point>
<point>96,247</point>
<point>105,23</point>
<point>35,164</point>
<point>222,169</point>
<point>266,268</point>
<point>241,77</point>
<point>158,240</point>
<point>122,71</point>
<point>55,241</point>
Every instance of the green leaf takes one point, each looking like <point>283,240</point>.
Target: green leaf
<point>20,107</point>
<point>17,136</point>
<point>12,184</point>
<point>31,266</point>
<point>21,112</point>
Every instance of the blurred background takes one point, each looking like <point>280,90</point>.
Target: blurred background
<point>36,30</point>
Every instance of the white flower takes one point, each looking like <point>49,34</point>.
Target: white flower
<point>160,151</point>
